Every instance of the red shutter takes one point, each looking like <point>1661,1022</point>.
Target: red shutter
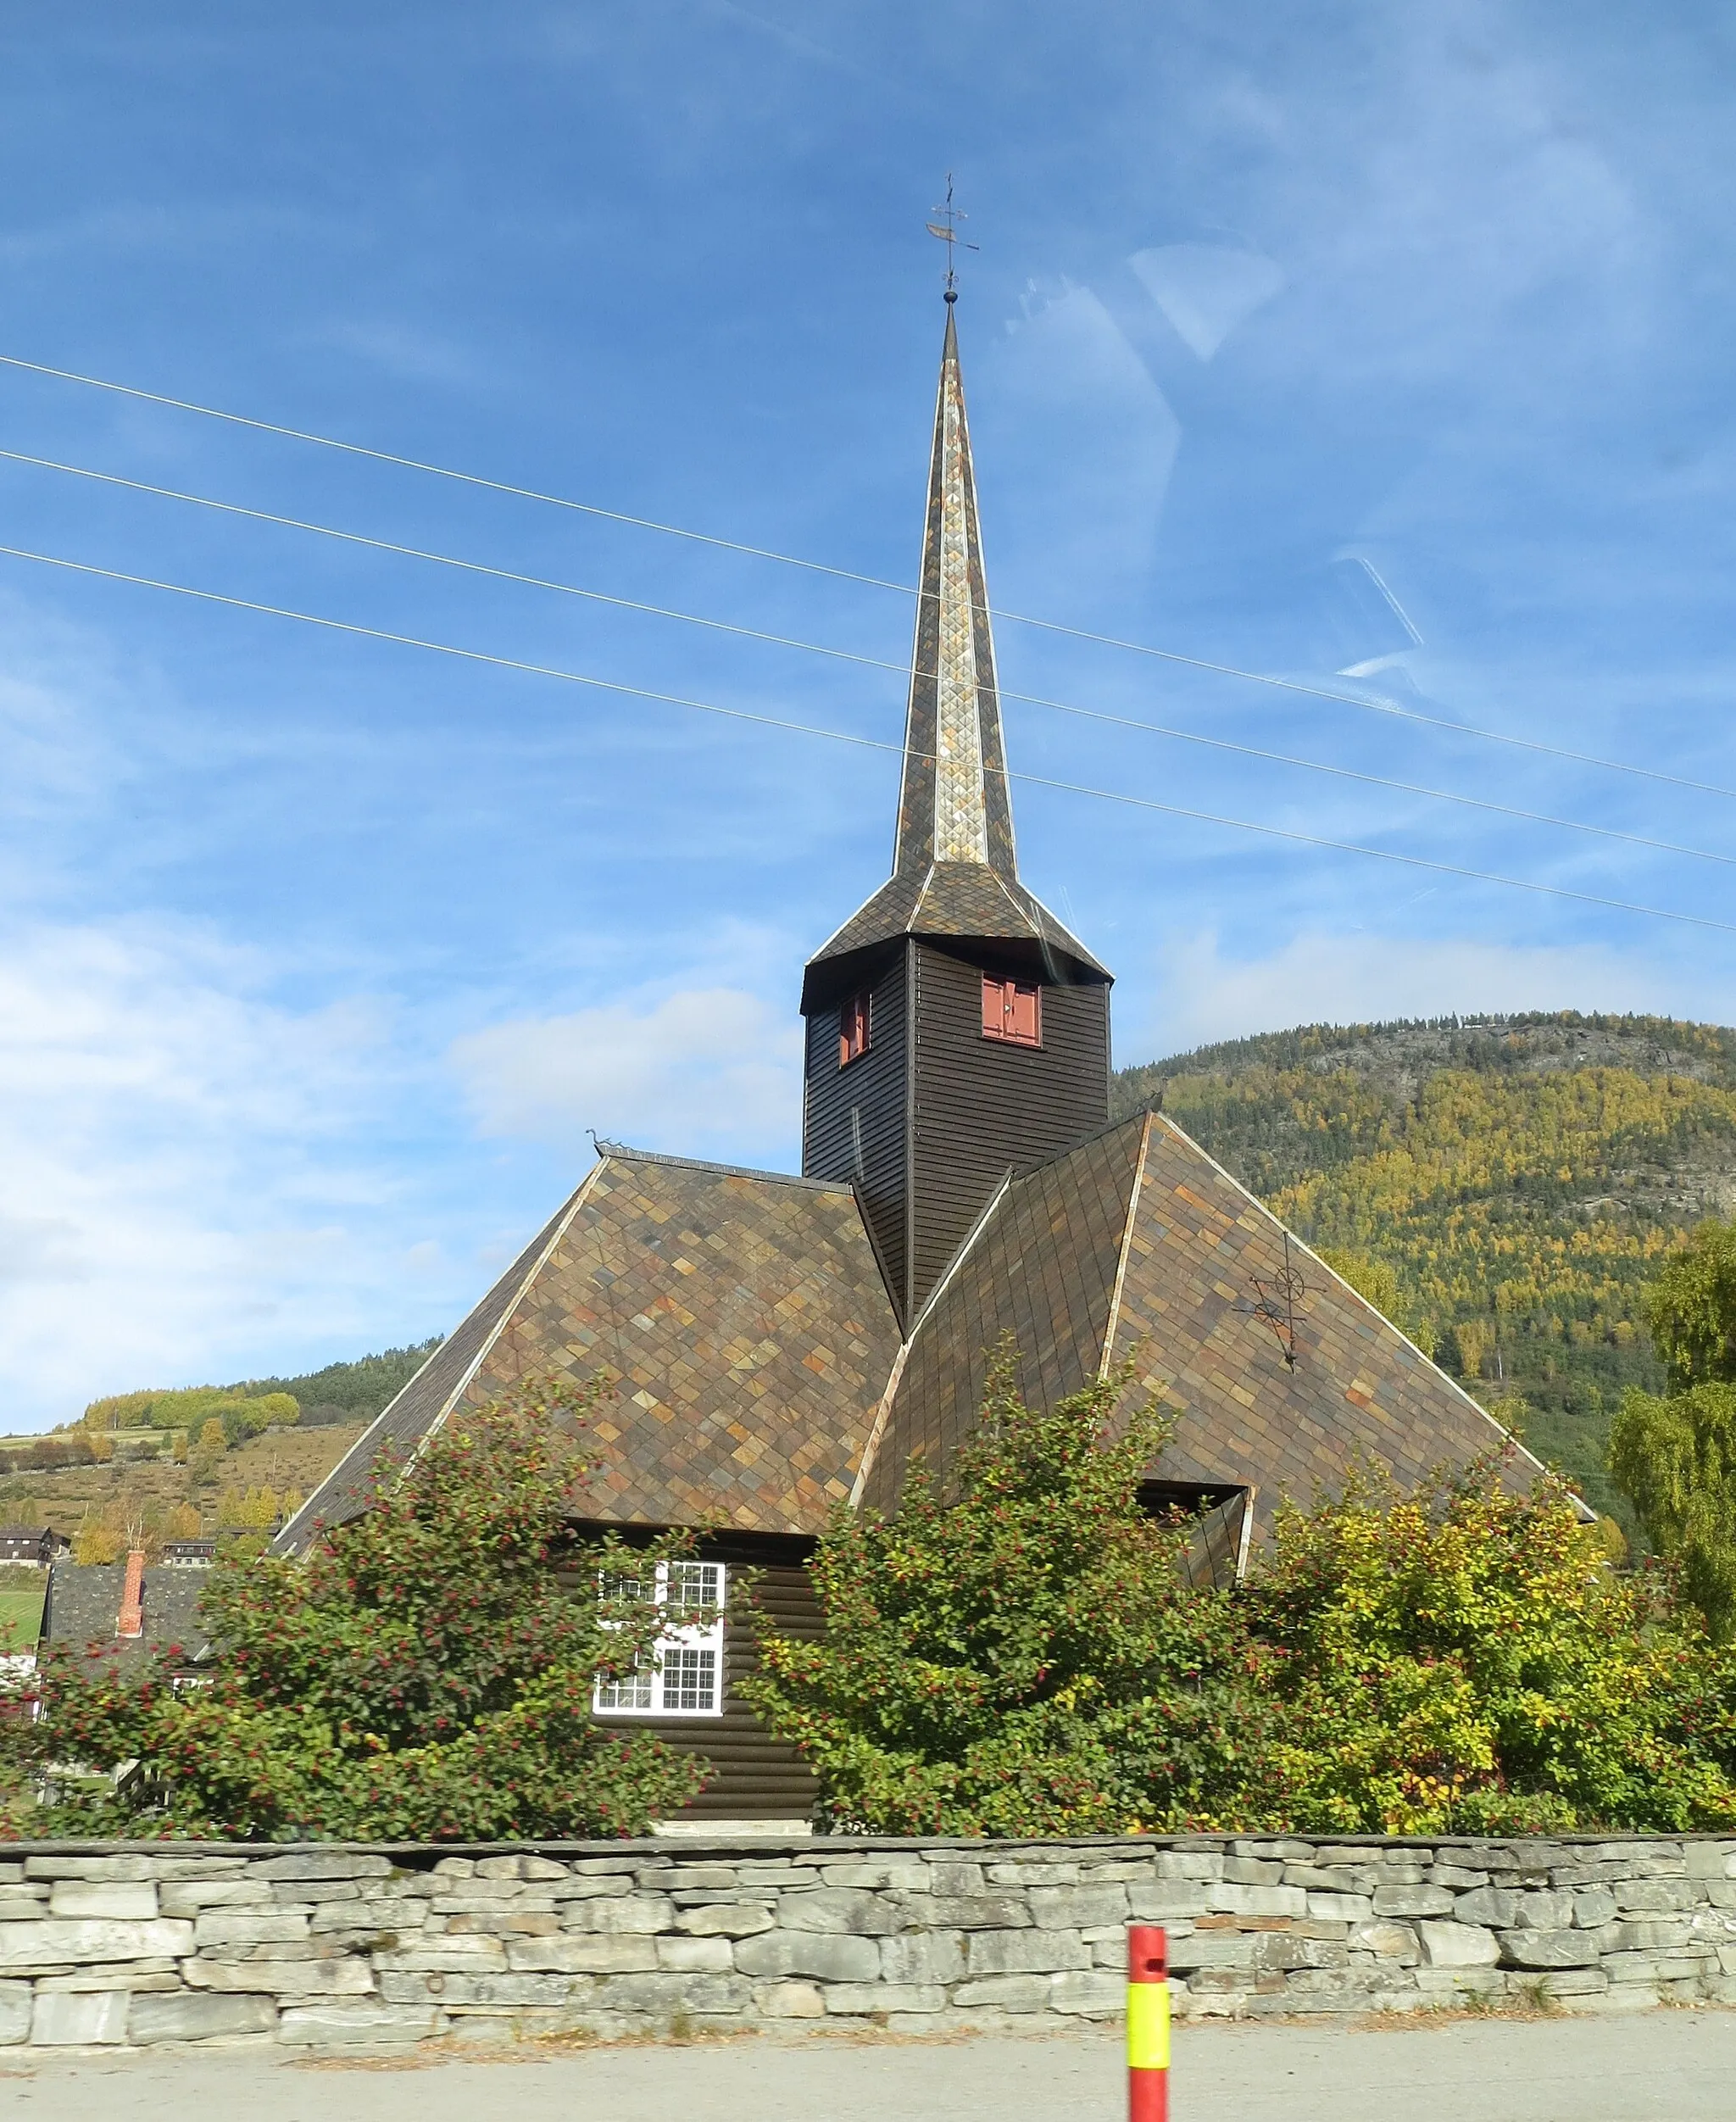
<point>1023,1022</point>
<point>994,1008</point>
<point>853,1028</point>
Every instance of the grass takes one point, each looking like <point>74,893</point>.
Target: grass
<point>20,1616</point>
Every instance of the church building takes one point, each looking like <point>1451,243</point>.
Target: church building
<point>776,1346</point>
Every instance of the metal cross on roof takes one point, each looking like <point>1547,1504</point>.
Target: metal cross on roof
<point>947,228</point>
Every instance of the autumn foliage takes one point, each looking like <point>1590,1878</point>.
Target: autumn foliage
<point>420,1676</point>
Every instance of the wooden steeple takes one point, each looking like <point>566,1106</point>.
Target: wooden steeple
<point>956,1031</point>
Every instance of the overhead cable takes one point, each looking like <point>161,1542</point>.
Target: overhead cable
<point>866,744</point>
<point>1376,706</point>
<point>873,663</point>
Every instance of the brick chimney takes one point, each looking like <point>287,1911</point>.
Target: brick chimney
<point>131,1621</point>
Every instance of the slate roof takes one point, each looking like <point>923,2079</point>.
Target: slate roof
<point>84,1604</point>
<point>740,1317</point>
<point>1137,1244</point>
<point>758,1377</point>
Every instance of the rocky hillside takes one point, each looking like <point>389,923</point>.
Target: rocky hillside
<point>1521,1175</point>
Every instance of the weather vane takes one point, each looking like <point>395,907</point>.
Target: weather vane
<point>947,228</point>
<point>1276,1303</point>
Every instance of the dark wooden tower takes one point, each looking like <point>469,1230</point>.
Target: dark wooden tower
<point>956,1032</point>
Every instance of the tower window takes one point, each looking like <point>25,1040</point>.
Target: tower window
<point>1012,1010</point>
<point>852,1029</point>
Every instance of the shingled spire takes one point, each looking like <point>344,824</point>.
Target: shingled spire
<point>954,870</point>
<point>956,1031</point>
<point>954,805</point>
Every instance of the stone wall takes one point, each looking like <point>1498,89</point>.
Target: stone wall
<point>320,1944</point>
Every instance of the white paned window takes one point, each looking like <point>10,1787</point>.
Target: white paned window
<point>681,1675</point>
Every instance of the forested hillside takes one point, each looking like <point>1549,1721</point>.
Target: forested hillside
<point>1521,1175</point>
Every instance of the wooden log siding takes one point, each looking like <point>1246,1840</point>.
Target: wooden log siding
<point>755,1776</point>
<point>855,1120</point>
<point>981,1105</point>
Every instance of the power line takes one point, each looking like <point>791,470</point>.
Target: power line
<point>873,663</point>
<point>866,744</point>
<point>1386,707</point>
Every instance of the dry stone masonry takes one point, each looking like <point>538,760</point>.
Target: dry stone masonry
<point>318,1945</point>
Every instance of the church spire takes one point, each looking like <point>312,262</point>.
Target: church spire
<point>954,805</point>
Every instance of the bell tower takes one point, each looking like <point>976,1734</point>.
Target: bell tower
<point>955,1031</point>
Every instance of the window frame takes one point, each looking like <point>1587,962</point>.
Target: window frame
<point>1007,986</point>
<point>855,1017</point>
<point>656,1675</point>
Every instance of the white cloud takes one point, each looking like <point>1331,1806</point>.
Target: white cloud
<point>715,1070</point>
<point>166,1133</point>
<point>1314,979</point>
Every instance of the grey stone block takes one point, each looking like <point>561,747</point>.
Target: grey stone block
<point>1342,1908</point>
<point>923,1956</point>
<point>903,1878</point>
<point>187,1896</point>
<point>694,1955</point>
<point>572,1954</point>
<point>1652,1896</point>
<point>789,2000</point>
<point>636,1915</point>
<point>191,2015</point>
<point>1252,1871</point>
<point>1075,1907</point>
<point>1548,1910</point>
<point>1006,1993</point>
<point>745,1921</point>
<point>71,1939</point>
<point>1457,1944</point>
<point>1168,1900</point>
<point>860,2000</point>
<point>248,1926</point>
<point>974,1912</point>
<point>660,1996</point>
<point>1710,1860</point>
<point>1413,1901</point>
<point>103,1868</point>
<point>337,2026</point>
<point>1020,1874</point>
<point>325,1864</point>
<point>1093,1993</point>
<point>950,1876</point>
<point>442,1952</point>
<point>1657,1935</point>
<point>1187,1863</point>
<point>1496,1907</point>
<point>825,1956</point>
<point>1394,1942</point>
<point>1233,1900</point>
<point>1026,1952</point>
<point>1548,1949</point>
<point>15,2013</point>
<point>1214,1950</point>
<point>301,1980</point>
<point>89,2018</point>
<point>134,1901</point>
<point>843,1910</point>
<point>491,1990</point>
<point>1592,1908</point>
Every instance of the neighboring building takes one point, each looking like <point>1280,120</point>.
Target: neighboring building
<point>38,1544</point>
<point>121,1608</point>
<point>779,1345</point>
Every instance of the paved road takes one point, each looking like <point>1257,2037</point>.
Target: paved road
<point>1667,2066</point>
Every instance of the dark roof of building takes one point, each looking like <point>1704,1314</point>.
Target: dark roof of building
<point>741,1320</point>
<point>1137,1244</point>
<point>83,1606</point>
<point>757,1373</point>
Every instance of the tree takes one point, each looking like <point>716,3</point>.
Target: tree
<point>1675,1458</point>
<point>1461,1660</point>
<point>1691,1308</point>
<point>1376,1282</point>
<point>420,1676</point>
<point>1675,1454</point>
<point>1017,1652</point>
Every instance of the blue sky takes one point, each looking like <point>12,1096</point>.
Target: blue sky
<point>1302,339</point>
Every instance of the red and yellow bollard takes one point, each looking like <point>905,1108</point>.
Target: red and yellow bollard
<point>1147,2024</point>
